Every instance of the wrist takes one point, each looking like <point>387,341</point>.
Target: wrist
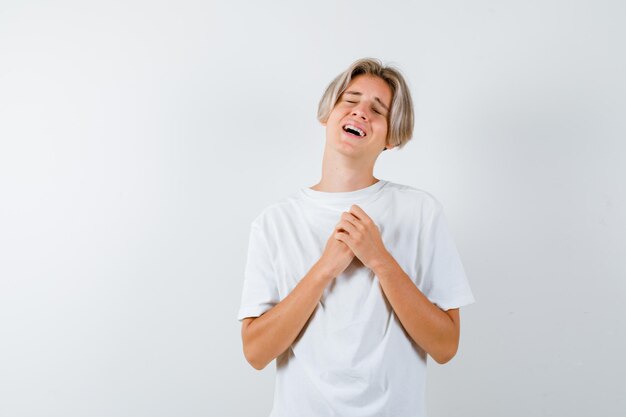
<point>321,273</point>
<point>382,263</point>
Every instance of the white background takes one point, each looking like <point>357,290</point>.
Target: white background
<point>139,139</point>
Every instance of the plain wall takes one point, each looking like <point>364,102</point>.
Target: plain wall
<point>138,140</point>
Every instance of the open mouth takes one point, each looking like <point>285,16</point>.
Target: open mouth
<point>353,131</point>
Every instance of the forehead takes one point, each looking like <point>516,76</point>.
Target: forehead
<point>371,85</point>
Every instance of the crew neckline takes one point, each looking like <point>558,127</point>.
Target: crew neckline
<point>344,196</point>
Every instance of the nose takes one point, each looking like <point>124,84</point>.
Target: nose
<point>360,111</point>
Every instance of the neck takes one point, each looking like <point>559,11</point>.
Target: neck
<point>342,174</point>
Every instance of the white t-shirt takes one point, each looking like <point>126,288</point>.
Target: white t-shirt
<point>353,357</point>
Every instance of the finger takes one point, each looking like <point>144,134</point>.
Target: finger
<point>355,221</point>
<point>342,237</point>
<point>346,218</point>
<point>349,217</point>
<point>364,218</point>
<point>359,213</point>
<point>348,227</point>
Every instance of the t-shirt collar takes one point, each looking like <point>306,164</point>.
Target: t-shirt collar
<point>343,197</point>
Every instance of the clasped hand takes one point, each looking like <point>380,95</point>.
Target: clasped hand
<point>357,230</point>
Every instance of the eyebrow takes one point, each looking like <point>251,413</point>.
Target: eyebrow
<point>356,93</point>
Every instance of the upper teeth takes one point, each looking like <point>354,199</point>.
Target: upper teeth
<point>361,133</point>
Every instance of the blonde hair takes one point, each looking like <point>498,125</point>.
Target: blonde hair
<point>400,119</point>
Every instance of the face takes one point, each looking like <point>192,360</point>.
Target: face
<point>359,120</point>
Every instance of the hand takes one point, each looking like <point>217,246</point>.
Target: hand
<point>357,230</point>
<point>336,256</point>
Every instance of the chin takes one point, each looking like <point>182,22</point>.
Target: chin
<point>346,148</point>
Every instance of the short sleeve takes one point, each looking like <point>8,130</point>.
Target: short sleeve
<point>260,292</point>
<point>442,277</point>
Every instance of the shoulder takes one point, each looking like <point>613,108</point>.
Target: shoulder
<point>276,211</point>
<point>422,199</point>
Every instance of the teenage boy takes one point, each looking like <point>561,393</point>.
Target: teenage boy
<point>351,283</point>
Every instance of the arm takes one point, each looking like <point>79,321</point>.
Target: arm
<point>267,336</point>
<point>433,329</point>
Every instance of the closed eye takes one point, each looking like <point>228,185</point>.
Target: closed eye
<point>349,101</point>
